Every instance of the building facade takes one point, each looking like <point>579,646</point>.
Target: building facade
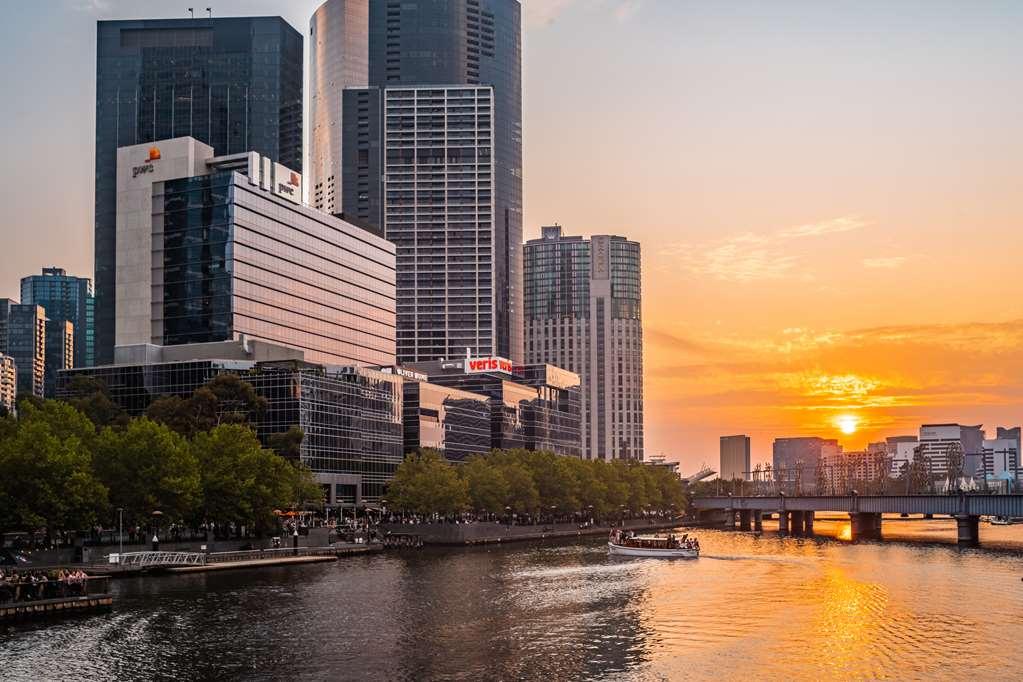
<point>426,61</point>
<point>533,407</point>
<point>65,297</point>
<point>232,83</point>
<point>23,338</point>
<point>351,417</point>
<point>453,422</point>
<point>338,59</point>
<point>8,384</point>
<point>951,449</point>
<point>583,312</point>
<point>797,461</point>
<point>434,147</point>
<point>218,248</point>
<point>735,458</point>
<point>60,353</point>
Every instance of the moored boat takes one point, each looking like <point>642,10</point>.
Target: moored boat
<point>670,547</point>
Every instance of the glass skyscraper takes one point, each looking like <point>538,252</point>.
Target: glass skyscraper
<point>583,313</point>
<point>433,52</point>
<point>65,297</point>
<point>233,83</point>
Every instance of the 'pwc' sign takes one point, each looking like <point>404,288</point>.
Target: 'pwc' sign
<point>490,364</point>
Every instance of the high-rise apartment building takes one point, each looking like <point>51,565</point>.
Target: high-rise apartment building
<point>23,338</point>
<point>232,83</point>
<point>583,313</point>
<point>440,54</point>
<point>65,297</point>
<point>8,384</point>
<point>222,248</point>
<point>60,353</point>
<point>735,458</point>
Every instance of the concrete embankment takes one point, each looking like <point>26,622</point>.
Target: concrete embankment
<point>488,532</point>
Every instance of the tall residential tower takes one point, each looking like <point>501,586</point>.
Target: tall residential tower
<point>232,83</point>
<point>582,308</point>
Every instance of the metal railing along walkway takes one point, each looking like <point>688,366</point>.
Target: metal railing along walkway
<point>145,559</point>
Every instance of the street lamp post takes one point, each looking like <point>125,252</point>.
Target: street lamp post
<point>120,533</point>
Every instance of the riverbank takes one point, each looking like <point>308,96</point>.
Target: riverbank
<point>482,533</point>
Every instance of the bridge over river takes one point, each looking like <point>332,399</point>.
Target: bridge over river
<point>796,513</point>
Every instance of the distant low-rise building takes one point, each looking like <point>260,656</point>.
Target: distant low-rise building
<point>735,458</point>
<point>952,449</point>
<point>536,407</point>
<point>795,461</point>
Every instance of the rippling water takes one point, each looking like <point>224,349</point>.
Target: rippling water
<point>751,607</point>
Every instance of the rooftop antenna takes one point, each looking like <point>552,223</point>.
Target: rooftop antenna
<point>191,11</point>
<point>209,11</point>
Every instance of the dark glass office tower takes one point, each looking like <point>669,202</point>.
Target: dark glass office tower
<point>65,297</point>
<point>23,337</point>
<point>433,47</point>
<point>233,83</point>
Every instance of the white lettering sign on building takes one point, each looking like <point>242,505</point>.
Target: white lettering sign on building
<point>287,184</point>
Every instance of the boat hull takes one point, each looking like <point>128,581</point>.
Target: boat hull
<point>621,550</point>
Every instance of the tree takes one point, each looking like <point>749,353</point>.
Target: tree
<point>487,486</point>
<point>523,496</point>
<point>288,444</point>
<point>425,483</point>
<point>226,399</point>
<point>47,481</point>
<point>92,398</point>
<point>147,467</point>
<point>243,483</point>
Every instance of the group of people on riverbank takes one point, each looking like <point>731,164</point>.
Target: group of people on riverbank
<point>38,585</point>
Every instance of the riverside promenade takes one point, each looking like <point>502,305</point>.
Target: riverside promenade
<point>488,532</point>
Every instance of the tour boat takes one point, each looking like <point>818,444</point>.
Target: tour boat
<point>671,547</point>
<point>1002,520</point>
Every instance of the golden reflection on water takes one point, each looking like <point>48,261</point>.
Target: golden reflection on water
<point>844,532</point>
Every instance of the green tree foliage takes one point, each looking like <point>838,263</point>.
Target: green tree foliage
<point>147,467</point>
<point>289,443</point>
<point>46,480</point>
<point>537,482</point>
<point>425,483</point>
<point>92,398</point>
<point>226,399</point>
<point>241,482</point>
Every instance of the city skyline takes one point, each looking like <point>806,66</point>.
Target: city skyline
<point>812,255</point>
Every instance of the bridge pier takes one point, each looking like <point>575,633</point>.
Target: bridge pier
<point>808,523</point>
<point>783,522</point>
<point>758,521</point>
<point>796,526</point>
<point>865,526</point>
<point>969,530</point>
<point>729,519</point>
<point>745,517</point>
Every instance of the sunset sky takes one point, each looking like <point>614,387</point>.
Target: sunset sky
<point>829,195</point>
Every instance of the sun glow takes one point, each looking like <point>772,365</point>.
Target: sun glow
<point>847,423</point>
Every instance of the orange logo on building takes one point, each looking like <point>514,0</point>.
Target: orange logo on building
<point>295,180</point>
<point>154,154</point>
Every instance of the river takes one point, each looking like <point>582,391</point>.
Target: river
<point>763,607</point>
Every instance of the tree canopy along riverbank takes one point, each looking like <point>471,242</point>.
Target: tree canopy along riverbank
<point>525,482</point>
